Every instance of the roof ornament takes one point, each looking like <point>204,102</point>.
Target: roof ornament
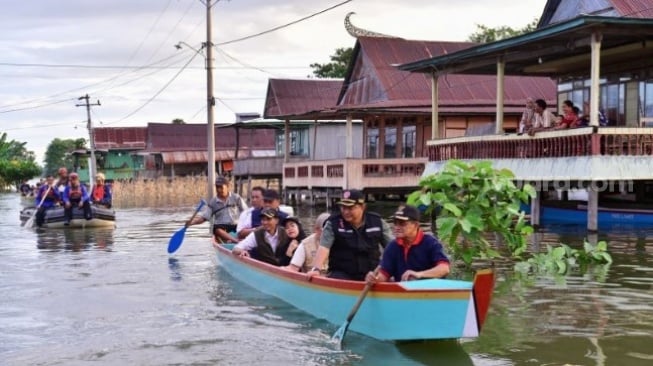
<point>356,32</point>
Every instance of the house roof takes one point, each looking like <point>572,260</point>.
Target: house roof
<point>556,11</point>
<point>374,80</point>
<point>561,50</point>
<point>119,138</point>
<point>305,98</point>
<point>164,137</point>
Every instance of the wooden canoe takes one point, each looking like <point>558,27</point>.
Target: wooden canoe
<point>394,311</point>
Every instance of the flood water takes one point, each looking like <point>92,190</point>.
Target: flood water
<point>115,297</point>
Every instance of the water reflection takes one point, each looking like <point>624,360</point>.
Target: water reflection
<point>175,269</point>
<point>75,239</point>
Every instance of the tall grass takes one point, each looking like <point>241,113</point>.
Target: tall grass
<point>170,192</point>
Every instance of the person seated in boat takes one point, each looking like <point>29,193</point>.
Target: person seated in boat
<point>62,182</point>
<point>224,209</point>
<point>271,199</point>
<point>413,255</point>
<point>295,233</point>
<point>248,220</point>
<point>268,243</point>
<point>75,195</point>
<point>302,259</point>
<point>25,189</point>
<point>47,198</point>
<point>101,192</point>
<point>351,240</point>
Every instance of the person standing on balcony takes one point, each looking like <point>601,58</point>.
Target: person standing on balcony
<point>544,119</point>
<point>527,117</point>
<point>351,240</point>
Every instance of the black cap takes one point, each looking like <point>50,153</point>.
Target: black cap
<point>270,194</point>
<point>269,213</point>
<point>351,197</point>
<point>220,181</point>
<point>407,213</point>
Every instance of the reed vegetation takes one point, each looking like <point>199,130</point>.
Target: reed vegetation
<point>165,192</point>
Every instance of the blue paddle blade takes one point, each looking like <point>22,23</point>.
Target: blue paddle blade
<point>176,240</point>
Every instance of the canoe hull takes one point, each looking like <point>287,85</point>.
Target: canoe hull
<point>427,309</point>
<point>101,217</point>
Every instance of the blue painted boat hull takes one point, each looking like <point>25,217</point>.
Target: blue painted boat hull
<point>606,216</point>
<point>426,309</point>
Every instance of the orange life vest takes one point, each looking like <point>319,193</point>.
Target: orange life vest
<point>98,193</point>
<point>75,193</point>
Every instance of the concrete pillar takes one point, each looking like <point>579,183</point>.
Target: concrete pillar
<point>592,208</point>
<point>501,66</point>
<point>435,128</point>
<point>594,78</point>
<point>535,209</point>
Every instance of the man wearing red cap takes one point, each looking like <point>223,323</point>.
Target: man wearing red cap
<point>352,240</point>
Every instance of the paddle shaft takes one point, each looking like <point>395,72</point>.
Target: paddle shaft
<point>361,297</point>
<point>45,194</point>
<point>194,214</point>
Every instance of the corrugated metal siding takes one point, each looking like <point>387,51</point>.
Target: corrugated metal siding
<point>375,79</point>
<point>286,97</point>
<point>120,137</point>
<point>192,137</point>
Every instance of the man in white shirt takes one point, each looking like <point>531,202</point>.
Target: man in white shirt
<point>245,226</point>
<point>267,243</point>
<point>543,117</point>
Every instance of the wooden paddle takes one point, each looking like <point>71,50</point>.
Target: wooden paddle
<point>339,335</point>
<point>29,222</point>
<point>178,237</point>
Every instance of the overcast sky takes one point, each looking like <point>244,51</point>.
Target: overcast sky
<point>121,52</point>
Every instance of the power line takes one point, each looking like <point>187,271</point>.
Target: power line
<point>81,66</point>
<point>283,26</point>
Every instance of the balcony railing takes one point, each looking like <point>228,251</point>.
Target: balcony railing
<point>609,141</point>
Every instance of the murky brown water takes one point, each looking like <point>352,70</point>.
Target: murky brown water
<point>115,297</point>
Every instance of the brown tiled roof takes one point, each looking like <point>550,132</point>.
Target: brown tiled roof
<point>126,138</point>
<point>296,98</point>
<point>192,137</point>
<point>374,79</point>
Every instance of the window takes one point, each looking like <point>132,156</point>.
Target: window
<point>298,142</point>
<point>390,142</point>
<point>409,141</point>
<point>372,144</point>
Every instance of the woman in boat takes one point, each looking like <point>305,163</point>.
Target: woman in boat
<point>101,192</point>
<point>302,259</point>
<point>413,255</point>
<point>46,198</point>
<point>295,234</point>
<point>267,243</point>
<point>75,194</point>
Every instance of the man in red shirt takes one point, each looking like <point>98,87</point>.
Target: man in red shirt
<point>413,254</point>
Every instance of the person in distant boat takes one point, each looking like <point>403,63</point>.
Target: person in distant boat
<point>75,194</point>
<point>25,189</point>
<point>413,255</point>
<point>302,259</point>
<point>295,233</point>
<point>246,220</point>
<point>101,192</point>
<point>224,209</point>
<point>50,197</point>
<point>269,243</point>
<point>351,240</point>
<point>62,182</point>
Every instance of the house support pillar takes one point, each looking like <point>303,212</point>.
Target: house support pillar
<point>501,67</point>
<point>435,128</point>
<point>535,209</point>
<point>592,208</point>
<point>594,78</point>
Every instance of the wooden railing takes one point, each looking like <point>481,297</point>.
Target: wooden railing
<point>546,144</point>
<point>354,173</point>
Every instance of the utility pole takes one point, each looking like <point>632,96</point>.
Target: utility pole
<point>89,125</point>
<point>210,99</point>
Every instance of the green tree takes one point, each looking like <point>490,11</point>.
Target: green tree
<point>58,154</point>
<point>486,34</point>
<point>338,66</point>
<point>178,121</point>
<point>16,162</point>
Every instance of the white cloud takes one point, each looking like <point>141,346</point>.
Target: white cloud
<point>133,33</point>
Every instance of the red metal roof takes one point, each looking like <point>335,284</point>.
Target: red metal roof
<point>374,79</point>
<point>634,8</point>
<point>128,138</point>
<point>293,98</point>
<point>192,137</point>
